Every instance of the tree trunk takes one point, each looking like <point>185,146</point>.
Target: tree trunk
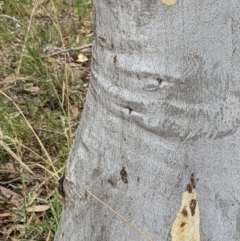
<point>163,103</point>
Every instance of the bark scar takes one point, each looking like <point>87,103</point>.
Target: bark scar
<point>187,223</point>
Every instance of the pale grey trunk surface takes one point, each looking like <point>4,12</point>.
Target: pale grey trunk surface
<point>163,102</point>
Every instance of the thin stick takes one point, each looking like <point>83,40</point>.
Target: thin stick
<point>6,16</point>
<point>10,181</point>
<point>68,50</point>
<point>117,214</point>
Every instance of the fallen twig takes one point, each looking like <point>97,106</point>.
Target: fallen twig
<point>68,50</point>
<point>7,16</point>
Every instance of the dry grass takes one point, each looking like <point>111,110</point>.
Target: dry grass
<point>42,90</point>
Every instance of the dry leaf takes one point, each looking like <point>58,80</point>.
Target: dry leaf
<point>52,60</point>
<point>14,228</point>
<point>40,13</point>
<point>74,65</point>
<point>82,58</point>
<point>8,193</point>
<point>87,24</point>
<point>4,215</point>
<point>13,114</point>
<point>37,208</point>
<point>30,88</point>
<point>11,79</point>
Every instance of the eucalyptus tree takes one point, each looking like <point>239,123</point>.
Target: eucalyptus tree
<point>159,138</point>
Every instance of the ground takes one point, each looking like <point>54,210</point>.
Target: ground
<point>45,51</point>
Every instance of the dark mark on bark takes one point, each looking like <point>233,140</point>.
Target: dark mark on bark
<point>192,180</point>
<point>189,188</point>
<point>192,184</point>
<point>123,174</point>
<point>193,204</point>
<point>130,110</point>
<point>184,212</point>
<point>182,224</point>
<point>159,80</point>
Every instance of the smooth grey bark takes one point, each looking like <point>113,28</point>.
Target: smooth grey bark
<point>163,102</point>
